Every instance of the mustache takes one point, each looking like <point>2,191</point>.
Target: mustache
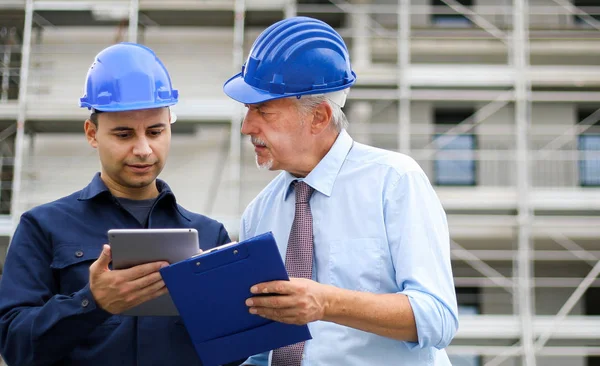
<point>257,141</point>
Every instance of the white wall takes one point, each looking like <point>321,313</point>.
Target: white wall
<point>545,361</point>
<point>199,61</point>
<point>548,300</point>
<point>59,64</point>
<point>549,122</point>
<point>500,169</point>
<point>496,135</point>
<point>379,127</point>
<point>56,165</point>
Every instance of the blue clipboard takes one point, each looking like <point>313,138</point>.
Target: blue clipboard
<point>210,291</point>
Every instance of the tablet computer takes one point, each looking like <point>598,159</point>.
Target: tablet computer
<point>132,247</point>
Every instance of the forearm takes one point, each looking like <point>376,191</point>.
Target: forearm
<point>43,335</point>
<point>387,315</point>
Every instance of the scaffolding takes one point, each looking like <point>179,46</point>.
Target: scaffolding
<point>401,82</point>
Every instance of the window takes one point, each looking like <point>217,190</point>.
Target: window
<point>469,303</point>
<point>465,360</point>
<point>592,307</point>
<point>454,163</point>
<point>587,6</point>
<point>7,147</point>
<point>9,63</point>
<point>589,145</point>
<point>444,16</point>
<point>469,300</point>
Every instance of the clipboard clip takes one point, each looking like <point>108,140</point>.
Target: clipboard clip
<point>219,256</point>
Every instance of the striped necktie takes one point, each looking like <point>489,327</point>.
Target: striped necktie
<point>298,263</point>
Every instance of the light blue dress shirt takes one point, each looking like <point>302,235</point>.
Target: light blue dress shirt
<point>378,227</point>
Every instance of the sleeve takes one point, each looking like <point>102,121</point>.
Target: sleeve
<point>223,236</point>
<point>243,233</point>
<point>38,326</point>
<point>419,241</point>
<point>245,223</point>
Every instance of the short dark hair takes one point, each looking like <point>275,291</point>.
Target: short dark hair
<point>94,117</point>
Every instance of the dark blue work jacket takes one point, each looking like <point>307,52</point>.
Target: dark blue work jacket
<point>48,315</point>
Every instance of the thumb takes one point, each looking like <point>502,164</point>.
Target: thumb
<point>105,257</point>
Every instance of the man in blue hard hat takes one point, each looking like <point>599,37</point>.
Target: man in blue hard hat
<point>59,300</point>
<point>363,234</point>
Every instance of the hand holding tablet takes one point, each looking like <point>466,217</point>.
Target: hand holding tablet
<point>134,247</point>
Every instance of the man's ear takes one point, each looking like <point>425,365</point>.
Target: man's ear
<point>90,132</point>
<point>321,118</point>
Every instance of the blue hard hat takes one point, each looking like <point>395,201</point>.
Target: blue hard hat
<point>125,77</point>
<point>293,57</point>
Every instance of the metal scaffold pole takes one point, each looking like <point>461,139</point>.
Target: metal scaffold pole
<point>134,7</point>
<point>290,9</point>
<point>404,88</point>
<point>524,300</point>
<point>21,114</point>
<point>235,151</point>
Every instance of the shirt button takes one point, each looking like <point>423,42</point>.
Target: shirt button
<point>85,303</point>
<point>79,254</point>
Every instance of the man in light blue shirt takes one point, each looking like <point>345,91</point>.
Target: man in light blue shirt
<point>381,291</point>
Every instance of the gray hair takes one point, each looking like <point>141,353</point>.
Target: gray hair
<point>307,103</point>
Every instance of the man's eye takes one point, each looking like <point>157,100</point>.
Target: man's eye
<point>122,135</point>
<point>155,132</point>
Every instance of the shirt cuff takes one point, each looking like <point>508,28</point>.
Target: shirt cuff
<point>435,324</point>
<point>89,307</point>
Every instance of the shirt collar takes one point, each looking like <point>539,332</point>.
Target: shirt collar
<point>97,188</point>
<point>323,176</point>
<point>94,189</point>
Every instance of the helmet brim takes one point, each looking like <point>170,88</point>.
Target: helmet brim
<point>124,107</point>
<point>237,89</point>
<point>171,113</point>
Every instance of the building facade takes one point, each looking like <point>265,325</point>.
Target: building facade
<point>499,101</point>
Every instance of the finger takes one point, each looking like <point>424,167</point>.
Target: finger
<point>142,270</point>
<point>151,289</point>
<point>145,281</point>
<point>151,292</point>
<point>147,293</point>
<point>290,315</point>
<point>275,302</point>
<point>273,287</point>
<point>286,320</point>
<point>103,260</point>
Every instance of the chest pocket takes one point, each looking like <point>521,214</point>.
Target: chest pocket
<point>71,264</point>
<point>356,264</point>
